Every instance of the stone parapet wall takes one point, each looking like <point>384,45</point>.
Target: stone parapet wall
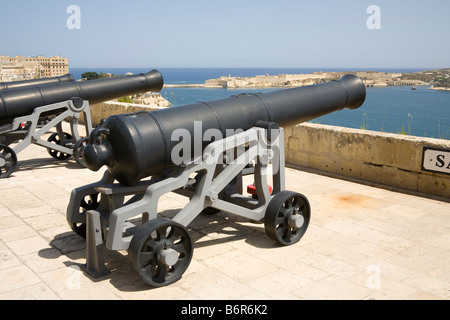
<point>103,110</point>
<point>382,158</point>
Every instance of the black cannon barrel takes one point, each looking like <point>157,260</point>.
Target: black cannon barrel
<point>138,145</point>
<point>36,82</point>
<point>20,102</point>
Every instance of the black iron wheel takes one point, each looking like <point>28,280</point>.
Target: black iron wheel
<point>78,149</point>
<point>160,251</point>
<point>8,161</point>
<point>55,138</point>
<point>287,217</point>
<point>89,202</point>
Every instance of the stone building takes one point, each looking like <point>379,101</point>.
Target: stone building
<point>24,68</point>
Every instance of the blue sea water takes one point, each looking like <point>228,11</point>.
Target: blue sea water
<point>422,112</point>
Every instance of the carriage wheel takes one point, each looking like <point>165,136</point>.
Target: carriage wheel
<point>287,217</point>
<point>58,155</point>
<point>89,202</point>
<point>78,149</point>
<point>160,251</point>
<point>8,161</point>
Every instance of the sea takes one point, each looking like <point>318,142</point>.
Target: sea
<point>397,109</point>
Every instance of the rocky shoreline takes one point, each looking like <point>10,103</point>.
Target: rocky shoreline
<point>440,89</point>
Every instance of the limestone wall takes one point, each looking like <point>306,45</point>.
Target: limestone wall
<point>104,110</point>
<point>389,159</point>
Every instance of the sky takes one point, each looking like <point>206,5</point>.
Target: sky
<point>230,33</point>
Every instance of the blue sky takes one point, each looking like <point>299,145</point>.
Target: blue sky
<point>245,33</point>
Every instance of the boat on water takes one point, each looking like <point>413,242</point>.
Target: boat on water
<point>413,88</point>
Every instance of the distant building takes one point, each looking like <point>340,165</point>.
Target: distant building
<point>24,68</point>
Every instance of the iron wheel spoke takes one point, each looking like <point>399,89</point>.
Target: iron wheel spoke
<point>146,258</point>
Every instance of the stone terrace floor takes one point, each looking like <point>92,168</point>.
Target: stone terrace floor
<point>362,243</point>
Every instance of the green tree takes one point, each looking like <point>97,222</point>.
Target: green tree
<point>90,75</point>
<point>125,99</point>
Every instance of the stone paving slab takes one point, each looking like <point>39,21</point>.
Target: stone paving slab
<point>363,243</point>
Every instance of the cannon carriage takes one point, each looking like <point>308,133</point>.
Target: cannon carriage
<point>201,151</point>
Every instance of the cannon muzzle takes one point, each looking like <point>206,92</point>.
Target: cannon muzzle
<point>36,82</point>
<point>138,145</point>
<point>20,102</point>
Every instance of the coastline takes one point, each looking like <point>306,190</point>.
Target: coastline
<point>256,78</point>
<point>370,79</point>
<point>439,89</point>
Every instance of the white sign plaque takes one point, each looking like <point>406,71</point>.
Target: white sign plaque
<point>436,160</point>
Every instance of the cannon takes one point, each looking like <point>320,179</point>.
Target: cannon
<point>27,113</point>
<point>201,151</point>
<point>36,82</point>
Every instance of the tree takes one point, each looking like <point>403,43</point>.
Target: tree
<point>90,75</point>
<point>126,99</point>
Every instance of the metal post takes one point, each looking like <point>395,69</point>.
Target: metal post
<point>95,262</point>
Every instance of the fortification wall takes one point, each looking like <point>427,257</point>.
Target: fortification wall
<point>391,160</point>
<point>103,110</point>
